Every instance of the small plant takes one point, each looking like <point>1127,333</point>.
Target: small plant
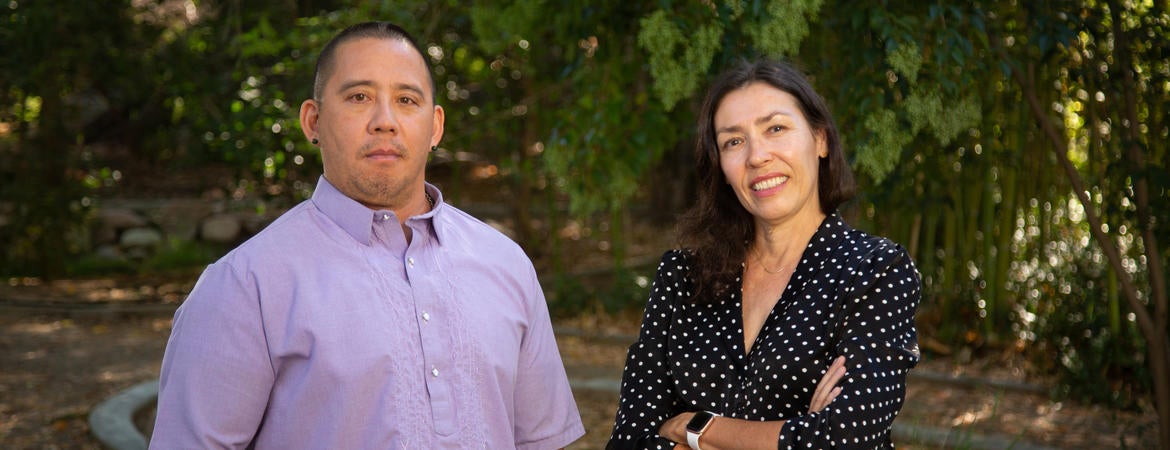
<point>182,254</point>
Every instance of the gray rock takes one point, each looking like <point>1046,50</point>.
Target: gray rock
<point>141,238</point>
<point>220,229</point>
<point>179,218</point>
<point>255,222</point>
<point>109,222</point>
<point>109,252</point>
<point>120,218</point>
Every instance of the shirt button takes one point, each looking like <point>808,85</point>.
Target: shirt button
<point>410,262</point>
<point>435,372</point>
<point>385,217</point>
<point>427,316</point>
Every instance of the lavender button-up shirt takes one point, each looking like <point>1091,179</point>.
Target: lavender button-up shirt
<point>328,330</point>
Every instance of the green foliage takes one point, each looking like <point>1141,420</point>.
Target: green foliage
<point>593,146</point>
<point>618,292</point>
<point>52,79</point>
<point>906,60</point>
<point>923,93</point>
<point>675,77</point>
<point>567,296</point>
<point>180,254</point>
<point>176,254</point>
<point>925,108</point>
<point>93,265</point>
<point>686,43</point>
<point>881,152</point>
<point>782,25</point>
<point>497,29</point>
<point>1073,321</point>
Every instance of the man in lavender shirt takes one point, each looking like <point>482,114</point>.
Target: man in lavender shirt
<point>373,315</point>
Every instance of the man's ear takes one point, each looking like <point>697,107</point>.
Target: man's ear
<point>437,127</point>
<point>309,110</point>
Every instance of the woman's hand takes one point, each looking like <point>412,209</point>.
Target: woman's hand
<point>827,388</point>
<point>675,428</point>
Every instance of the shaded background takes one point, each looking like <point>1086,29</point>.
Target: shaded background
<point>1017,149</point>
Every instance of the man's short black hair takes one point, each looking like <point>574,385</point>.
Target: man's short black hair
<point>375,30</point>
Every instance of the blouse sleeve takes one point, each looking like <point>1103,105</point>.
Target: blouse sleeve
<point>648,396</point>
<point>877,337</point>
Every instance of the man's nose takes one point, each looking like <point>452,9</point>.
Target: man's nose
<point>384,119</point>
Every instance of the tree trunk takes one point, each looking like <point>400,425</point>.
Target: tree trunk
<point>1152,328</point>
<point>49,155</point>
<point>987,268</point>
<point>1157,338</point>
<point>1009,202</point>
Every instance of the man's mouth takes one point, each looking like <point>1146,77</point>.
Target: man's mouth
<point>385,153</point>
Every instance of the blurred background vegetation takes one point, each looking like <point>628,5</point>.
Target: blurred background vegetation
<point>1017,149</point>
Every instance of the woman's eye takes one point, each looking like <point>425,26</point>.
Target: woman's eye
<point>731,143</point>
<point>777,128</point>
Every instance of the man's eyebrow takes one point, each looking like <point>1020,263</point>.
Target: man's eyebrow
<point>411,87</point>
<point>347,85</point>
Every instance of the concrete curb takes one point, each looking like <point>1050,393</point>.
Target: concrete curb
<point>113,424</point>
<point>112,421</point>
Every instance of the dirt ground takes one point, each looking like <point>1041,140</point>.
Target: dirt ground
<point>58,363</point>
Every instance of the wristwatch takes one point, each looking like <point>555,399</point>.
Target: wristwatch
<point>697,426</point>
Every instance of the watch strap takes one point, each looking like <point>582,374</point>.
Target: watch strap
<point>693,434</point>
<point>693,440</point>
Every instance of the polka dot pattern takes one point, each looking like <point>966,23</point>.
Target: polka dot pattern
<point>852,294</point>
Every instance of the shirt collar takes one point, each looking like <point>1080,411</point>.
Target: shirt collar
<point>831,231</point>
<point>830,235</point>
<point>357,220</point>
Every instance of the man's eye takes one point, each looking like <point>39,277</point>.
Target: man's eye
<point>359,97</point>
<point>407,101</point>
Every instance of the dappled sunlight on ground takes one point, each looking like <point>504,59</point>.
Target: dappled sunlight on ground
<point>56,369</point>
<point>168,289</point>
<point>57,366</point>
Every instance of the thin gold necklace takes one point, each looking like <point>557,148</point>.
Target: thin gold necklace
<point>762,266</point>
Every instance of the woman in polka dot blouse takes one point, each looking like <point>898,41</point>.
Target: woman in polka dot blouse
<point>772,290</point>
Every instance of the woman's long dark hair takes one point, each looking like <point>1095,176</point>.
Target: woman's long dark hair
<point>716,230</point>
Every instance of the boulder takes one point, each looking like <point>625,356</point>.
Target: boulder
<point>220,229</point>
<point>141,238</point>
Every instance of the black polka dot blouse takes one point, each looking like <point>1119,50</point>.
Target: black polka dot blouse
<point>852,294</point>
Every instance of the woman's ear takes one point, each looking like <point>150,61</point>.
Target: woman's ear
<point>822,144</point>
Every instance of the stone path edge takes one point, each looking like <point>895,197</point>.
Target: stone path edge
<point>112,420</point>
